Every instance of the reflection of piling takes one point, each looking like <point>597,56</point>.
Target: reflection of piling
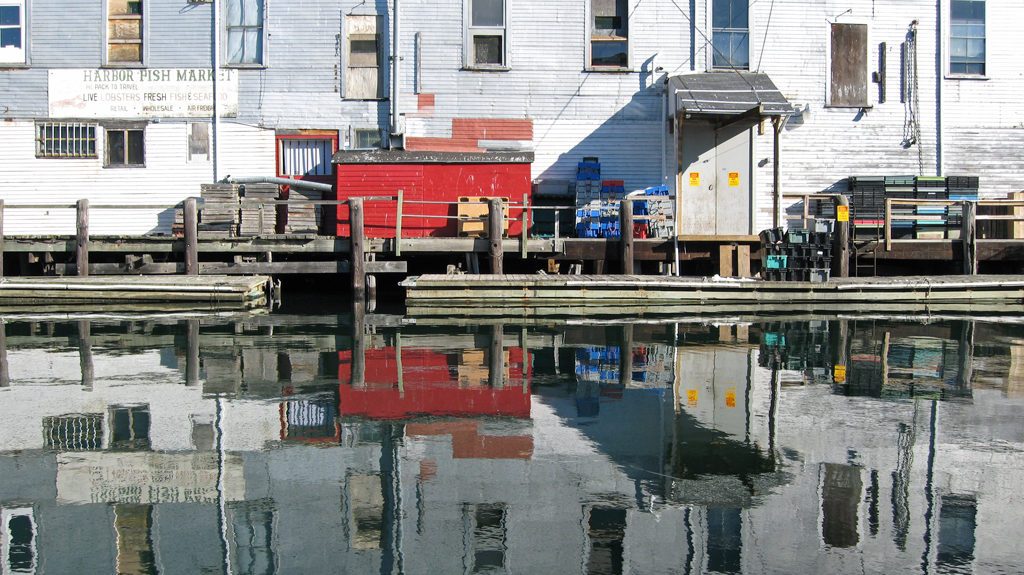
<point>626,356</point>
<point>358,346</point>
<point>526,358</point>
<point>496,373</point>
<point>965,371</point>
<point>85,353</point>
<point>192,353</point>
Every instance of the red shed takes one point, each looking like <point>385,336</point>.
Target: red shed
<point>427,176</point>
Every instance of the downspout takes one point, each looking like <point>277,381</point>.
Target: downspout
<point>669,117</point>
<point>395,139</point>
<point>215,62</point>
<point>939,160</point>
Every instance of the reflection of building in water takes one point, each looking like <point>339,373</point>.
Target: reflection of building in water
<point>463,463</point>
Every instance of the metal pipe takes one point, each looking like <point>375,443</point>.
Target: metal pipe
<point>939,79</point>
<point>319,186</point>
<point>395,58</point>
<point>215,63</point>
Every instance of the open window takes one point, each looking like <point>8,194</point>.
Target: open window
<point>609,35</point>
<point>486,41</point>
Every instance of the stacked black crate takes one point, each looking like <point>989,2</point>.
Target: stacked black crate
<point>867,205</point>
<point>799,254</point>
<point>959,188</point>
<point>901,188</point>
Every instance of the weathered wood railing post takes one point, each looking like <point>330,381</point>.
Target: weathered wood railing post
<point>82,238</point>
<point>191,231</point>
<point>496,370</point>
<point>398,223</point>
<point>969,237</point>
<point>358,258</point>
<point>626,236</point>
<point>495,232</point>
<point>842,237</point>
<point>1,238</point>
<point>192,352</point>
<point>525,236</point>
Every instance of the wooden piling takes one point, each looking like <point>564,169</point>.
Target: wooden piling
<point>85,353</point>
<point>969,236</point>
<point>626,236</point>
<point>842,239</point>
<point>1,238</point>
<point>496,369</point>
<point>495,232</point>
<point>358,258</point>
<point>191,231</point>
<point>5,374</point>
<point>82,238</point>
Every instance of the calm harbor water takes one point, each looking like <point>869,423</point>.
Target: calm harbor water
<point>299,443</point>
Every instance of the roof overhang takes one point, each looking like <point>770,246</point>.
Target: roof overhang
<point>728,97</point>
<point>426,157</point>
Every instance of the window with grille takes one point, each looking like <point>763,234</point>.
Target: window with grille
<point>65,140</point>
<point>609,34</point>
<point>306,156</point>
<point>12,31</point>
<point>124,31</point>
<point>967,37</point>
<point>73,432</point>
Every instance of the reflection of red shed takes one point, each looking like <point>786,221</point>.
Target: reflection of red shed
<point>430,386</point>
<point>427,176</point>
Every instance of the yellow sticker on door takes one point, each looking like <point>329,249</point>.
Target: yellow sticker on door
<point>734,179</point>
<point>694,179</point>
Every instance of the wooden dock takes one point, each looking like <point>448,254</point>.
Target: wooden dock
<point>125,292</point>
<point>430,295</point>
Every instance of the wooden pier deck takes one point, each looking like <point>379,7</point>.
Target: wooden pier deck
<point>108,292</point>
<point>580,294</point>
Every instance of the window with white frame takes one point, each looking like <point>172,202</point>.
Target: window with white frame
<point>12,31</point>
<point>967,37</point>
<point>124,31</point>
<point>125,146</point>
<point>486,38</point>
<point>306,156</point>
<point>65,140</point>
<point>609,34</point>
<point>244,25</point>
<point>362,58</point>
<point>848,86</point>
<point>730,34</point>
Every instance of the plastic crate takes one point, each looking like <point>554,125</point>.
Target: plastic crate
<point>776,262</point>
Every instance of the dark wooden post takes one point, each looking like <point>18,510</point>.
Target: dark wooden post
<point>85,353</point>
<point>5,375</point>
<point>626,236</point>
<point>842,239</point>
<point>1,238</point>
<point>192,352</point>
<point>496,370</point>
<point>969,236</point>
<point>82,244</point>
<point>191,217</point>
<point>358,258</point>
<point>495,232</point>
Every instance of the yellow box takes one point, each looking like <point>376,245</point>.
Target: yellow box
<point>473,215</point>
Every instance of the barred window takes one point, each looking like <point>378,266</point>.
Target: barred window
<point>65,140</point>
<point>73,432</point>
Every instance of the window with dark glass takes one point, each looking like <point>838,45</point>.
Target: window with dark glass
<point>609,34</point>
<point>967,37</point>
<point>12,32</point>
<point>487,33</point>
<point>730,34</point>
<point>129,428</point>
<point>126,147</point>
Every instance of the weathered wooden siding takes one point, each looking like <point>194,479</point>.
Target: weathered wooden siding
<point>167,178</point>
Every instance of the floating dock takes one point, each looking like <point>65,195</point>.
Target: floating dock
<point>484,295</point>
<point>123,292</point>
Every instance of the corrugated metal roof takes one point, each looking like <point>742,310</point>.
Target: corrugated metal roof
<point>728,93</point>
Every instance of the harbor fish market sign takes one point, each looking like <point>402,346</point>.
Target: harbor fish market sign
<point>141,93</point>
